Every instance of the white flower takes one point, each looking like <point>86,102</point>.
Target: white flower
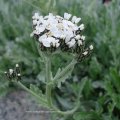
<point>67,16</point>
<point>35,22</point>
<point>77,37</point>
<point>81,27</point>
<point>57,44</point>
<point>67,39</point>
<point>40,20</point>
<point>62,36</point>
<point>80,42</point>
<point>42,37</point>
<point>53,30</point>
<point>41,28</point>
<point>85,53</point>
<point>83,37</point>
<point>10,71</point>
<point>75,19</point>
<point>71,43</point>
<point>36,16</point>
<point>47,42</point>
<point>91,47</point>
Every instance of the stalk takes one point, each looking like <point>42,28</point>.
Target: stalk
<point>48,80</point>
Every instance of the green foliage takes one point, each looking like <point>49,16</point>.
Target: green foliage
<point>3,85</point>
<point>113,87</point>
<point>102,70</point>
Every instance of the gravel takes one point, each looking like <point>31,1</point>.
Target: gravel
<point>14,105</point>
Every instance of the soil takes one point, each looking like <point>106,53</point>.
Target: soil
<point>14,105</point>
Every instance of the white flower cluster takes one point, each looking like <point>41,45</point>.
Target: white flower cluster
<point>52,30</point>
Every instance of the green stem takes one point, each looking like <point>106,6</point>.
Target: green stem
<point>48,69</point>
<point>49,95</point>
<point>48,80</point>
<point>49,86</point>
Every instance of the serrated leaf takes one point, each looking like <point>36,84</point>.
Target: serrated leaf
<point>36,90</point>
<point>58,72</point>
<point>4,85</point>
<point>64,74</point>
<point>82,116</point>
<point>64,102</point>
<point>116,100</point>
<point>115,78</point>
<point>36,93</point>
<point>4,88</point>
<point>41,77</point>
<point>87,116</point>
<point>63,78</point>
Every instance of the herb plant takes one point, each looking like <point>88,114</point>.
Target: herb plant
<point>55,34</point>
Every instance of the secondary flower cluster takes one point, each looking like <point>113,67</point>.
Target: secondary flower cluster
<point>56,32</point>
<point>14,73</point>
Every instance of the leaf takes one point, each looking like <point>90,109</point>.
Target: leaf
<point>87,116</point>
<point>116,100</point>
<point>64,74</point>
<point>36,90</point>
<point>63,78</point>
<point>115,78</point>
<point>4,85</point>
<point>58,72</point>
<point>82,116</point>
<point>41,77</point>
<point>112,93</point>
<point>4,88</point>
<point>36,93</point>
<point>88,87</point>
<point>95,68</point>
<point>64,102</point>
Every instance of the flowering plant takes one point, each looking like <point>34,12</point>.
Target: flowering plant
<point>58,33</point>
<point>55,34</point>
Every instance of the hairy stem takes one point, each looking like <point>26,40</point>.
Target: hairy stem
<point>49,86</point>
<point>48,69</point>
<point>48,80</point>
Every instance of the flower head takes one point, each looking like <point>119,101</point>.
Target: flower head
<point>53,31</point>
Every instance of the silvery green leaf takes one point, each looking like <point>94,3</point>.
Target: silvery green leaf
<point>63,78</point>
<point>36,90</point>
<point>64,73</point>
<point>41,77</point>
<point>58,72</point>
<point>64,102</point>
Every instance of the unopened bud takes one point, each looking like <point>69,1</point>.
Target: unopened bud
<point>10,71</point>
<point>85,53</point>
<point>5,72</point>
<point>19,75</point>
<point>17,65</point>
<point>91,47</point>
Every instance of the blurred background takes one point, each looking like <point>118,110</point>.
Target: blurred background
<point>101,95</point>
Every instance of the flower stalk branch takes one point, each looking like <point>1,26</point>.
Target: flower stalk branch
<point>44,102</point>
<point>49,86</point>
